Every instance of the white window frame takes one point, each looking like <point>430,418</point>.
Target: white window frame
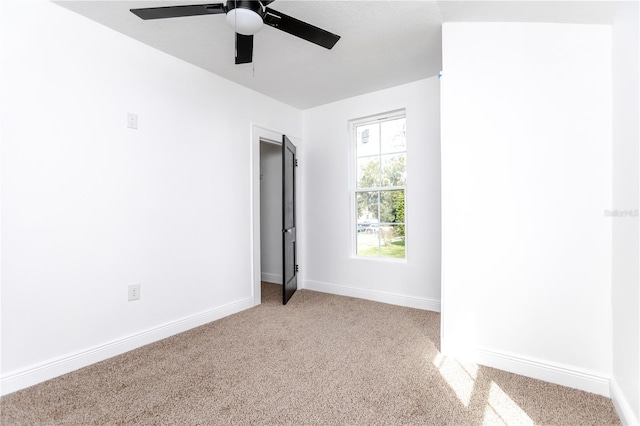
<point>353,172</point>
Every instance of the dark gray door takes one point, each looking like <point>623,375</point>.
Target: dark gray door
<point>289,265</point>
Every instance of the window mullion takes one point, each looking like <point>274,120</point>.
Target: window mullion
<point>380,188</point>
<point>383,155</point>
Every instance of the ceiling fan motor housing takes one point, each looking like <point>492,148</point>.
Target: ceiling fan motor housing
<point>245,16</point>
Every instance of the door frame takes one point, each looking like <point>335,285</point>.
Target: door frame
<point>258,133</point>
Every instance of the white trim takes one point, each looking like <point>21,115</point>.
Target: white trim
<point>272,278</point>
<point>560,374</point>
<point>622,406</point>
<point>258,133</point>
<point>383,116</point>
<point>375,295</point>
<point>16,380</point>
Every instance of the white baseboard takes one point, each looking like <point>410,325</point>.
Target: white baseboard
<point>375,295</point>
<point>271,278</point>
<point>623,408</point>
<point>38,373</point>
<point>549,372</point>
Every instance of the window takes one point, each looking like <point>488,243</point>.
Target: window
<point>379,187</point>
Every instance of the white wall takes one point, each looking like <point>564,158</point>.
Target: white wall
<point>271,212</point>
<point>626,232</point>
<point>526,178</point>
<point>328,264</point>
<point>89,206</point>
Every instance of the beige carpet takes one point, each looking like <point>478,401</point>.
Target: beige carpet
<point>322,359</point>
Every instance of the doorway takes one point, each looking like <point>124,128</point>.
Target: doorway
<point>268,185</point>
<point>270,211</point>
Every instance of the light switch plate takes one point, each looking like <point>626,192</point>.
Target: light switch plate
<point>132,120</point>
<point>134,292</point>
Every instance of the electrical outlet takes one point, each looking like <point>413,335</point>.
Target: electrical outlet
<point>134,292</point>
<point>132,120</point>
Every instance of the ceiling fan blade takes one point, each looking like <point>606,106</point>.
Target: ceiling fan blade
<point>244,49</point>
<point>300,29</point>
<point>266,2</point>
<point>179,11</point>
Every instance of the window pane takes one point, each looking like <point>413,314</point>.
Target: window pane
<point>392,241</point>
<point>393,170</point>
<point>368,172</point>
<point>367,205</point>
<point>393,136</point>
<point>368,243</point>
<point>368,140</point>
<point>392,207</point>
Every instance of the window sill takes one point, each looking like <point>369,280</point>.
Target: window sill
<point>380,259</point>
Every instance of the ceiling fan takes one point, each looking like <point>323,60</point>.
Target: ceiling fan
<point>246,17</point>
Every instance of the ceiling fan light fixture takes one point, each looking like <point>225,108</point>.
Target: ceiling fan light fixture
<point>244,21</point>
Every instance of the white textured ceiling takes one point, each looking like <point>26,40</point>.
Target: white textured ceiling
<point>383,44</point>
